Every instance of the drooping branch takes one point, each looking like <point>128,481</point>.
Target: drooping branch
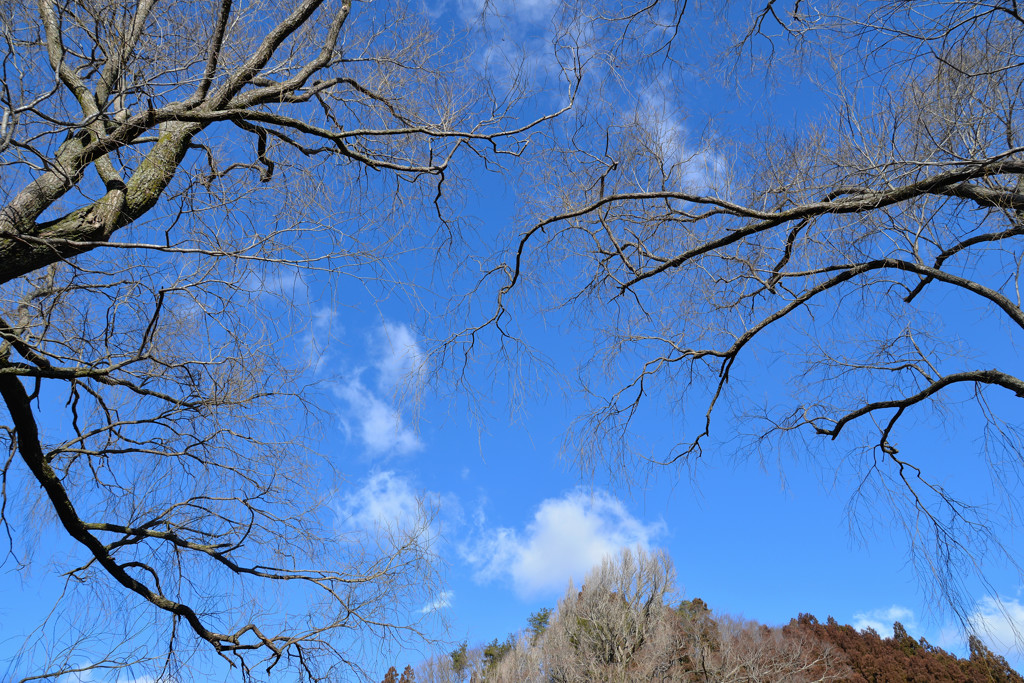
<point>992,376</point>
<point>27,433</point>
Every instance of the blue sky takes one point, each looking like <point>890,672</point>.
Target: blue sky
<point>516,521</point>
<point>763,535</point>
<point>512,519</point>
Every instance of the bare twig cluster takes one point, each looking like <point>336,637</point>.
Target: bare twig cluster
<point>824,286</point>
<point>164,165</point>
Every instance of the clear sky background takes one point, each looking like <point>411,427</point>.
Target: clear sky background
<point>765,537</point>
<point>516,521</point>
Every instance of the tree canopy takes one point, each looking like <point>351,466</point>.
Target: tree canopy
<point>822,283</point>
<point>827,266</point>
<point>167,169</point>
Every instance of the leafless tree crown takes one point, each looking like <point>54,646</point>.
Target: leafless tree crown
<point>622,625</point>
<point>171,172</point>
<point>823,273</point>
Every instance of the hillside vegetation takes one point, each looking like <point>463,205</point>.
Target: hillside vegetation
<point>624,624</point>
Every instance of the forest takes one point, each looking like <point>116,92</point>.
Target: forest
<point>623,626</point>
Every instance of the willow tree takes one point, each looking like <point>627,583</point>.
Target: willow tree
<point>828,263</point>
<point>166,166</point>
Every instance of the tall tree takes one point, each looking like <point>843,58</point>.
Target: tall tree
<point>170,171</point>
<point>460,660</point>
<point>988,666</point>
<point>600,631</point>
<point>617,628</point>
<point>539,622</point>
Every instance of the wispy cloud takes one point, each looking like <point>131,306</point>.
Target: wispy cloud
<point>378,424</point>
<point>518,11</point>
<point>289,287</point>
<point>517,47</point>
<point>287,282</point>
<point>386,511</point>
<point>319,337</point>
<point>694,165</point>
<point>398,358</point>
<point>385,501</point>
<point>396,373</point>
<point>1000,623</point>
<point>443,600</point>
<point>566,537</point>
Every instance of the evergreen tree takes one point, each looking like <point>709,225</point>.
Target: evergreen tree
<point>460,660</point>
<point>539,622</point>
<point>496,651</point>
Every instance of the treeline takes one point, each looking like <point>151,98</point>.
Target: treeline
<point>623,626</point>
<point>872,658</point>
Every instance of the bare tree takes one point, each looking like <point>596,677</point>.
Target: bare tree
<point>462,664</point>
<point>522,664</point>
<point>172,172</point>
<point>752,652</point>
<point>599,632</point>
<point>620,626</point>
<point>824,286</point>
<point>437,669</point>
<point>696,646</point>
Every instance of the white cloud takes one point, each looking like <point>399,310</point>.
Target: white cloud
<point>1000,623</point>
<point>881,620</point>
<point>524,11</point>
<point>566,538</point>
<point>384,502</point>
<point>443,600</point>
<point>289,286</point>
<point>697,168</point>
<point>323,329</point>
<point>397,367</point>
<point>380,426</point>
<point>518,49</point>
<point>287,282</point>
<point>399,358</point>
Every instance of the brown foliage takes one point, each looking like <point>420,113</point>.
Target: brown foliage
<point>873,659</point>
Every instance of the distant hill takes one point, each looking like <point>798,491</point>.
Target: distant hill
<point>900,658</point>
<point>623,626</point>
